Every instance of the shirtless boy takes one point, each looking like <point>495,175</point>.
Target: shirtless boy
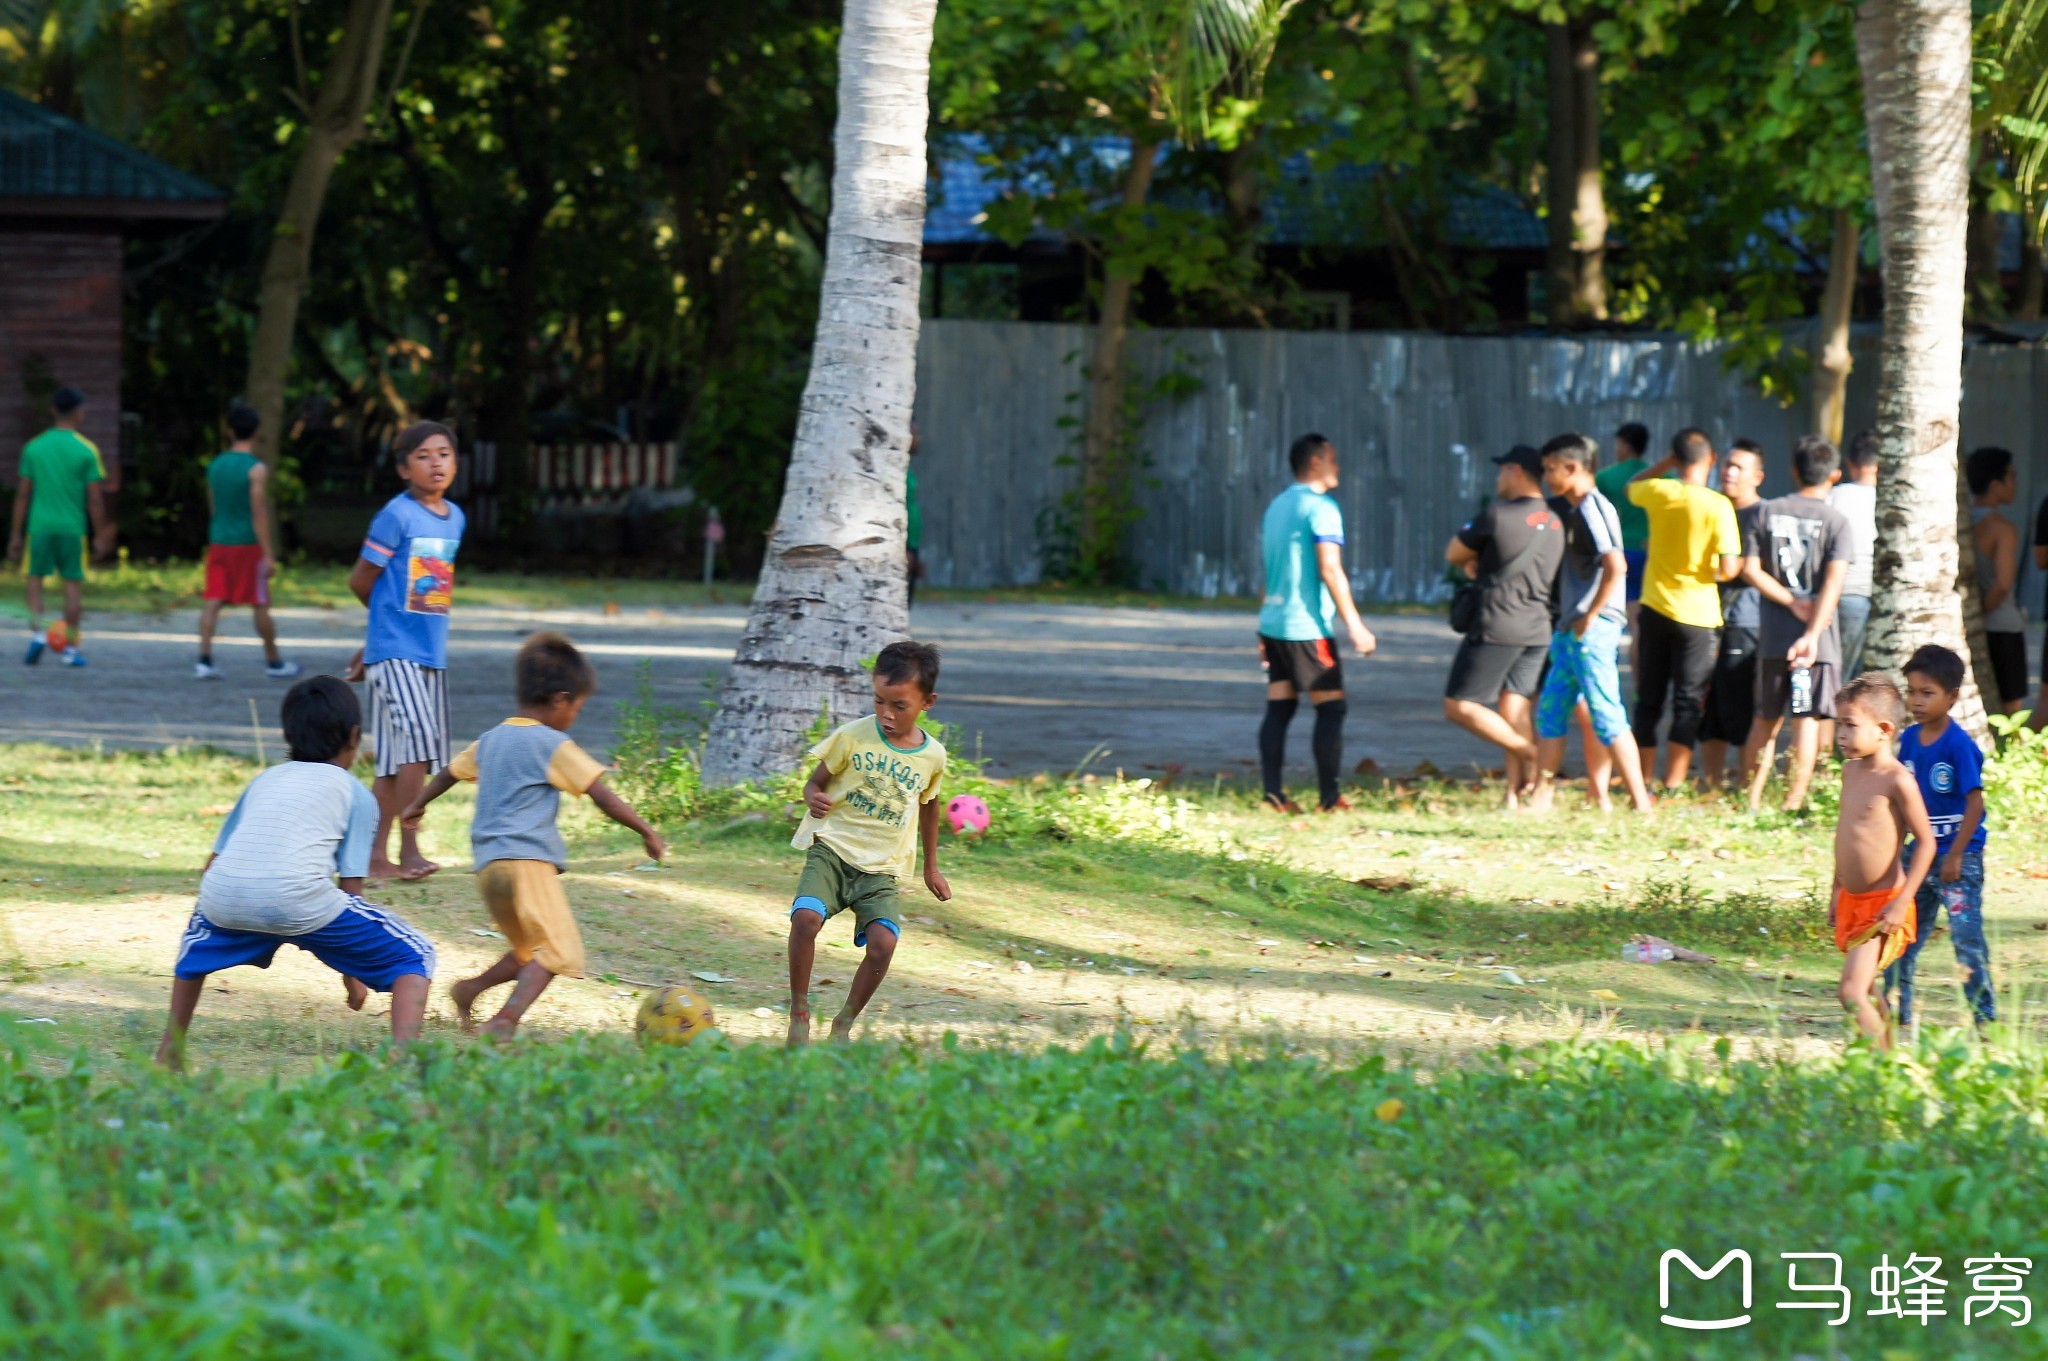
<point>1871,904</point>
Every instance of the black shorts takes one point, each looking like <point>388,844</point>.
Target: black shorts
<point>1481,672</point>
<point>2008,663</point>
<point>1774,689</point>
<point>1309,665</point>
<point>1731,695</point>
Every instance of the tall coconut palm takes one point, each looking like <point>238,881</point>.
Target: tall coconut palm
<point>833,590</point>
<point>1915,60</point>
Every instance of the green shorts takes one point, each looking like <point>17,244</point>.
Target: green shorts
<point>830,886</point>
<point>61,555</point>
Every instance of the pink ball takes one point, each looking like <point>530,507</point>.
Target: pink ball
<point>968,814</point>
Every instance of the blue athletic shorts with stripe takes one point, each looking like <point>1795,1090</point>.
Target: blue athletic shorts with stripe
<point>1586,668</point>
<point>364,942</point>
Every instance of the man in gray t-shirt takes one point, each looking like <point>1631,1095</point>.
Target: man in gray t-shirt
<point>1797,555</point>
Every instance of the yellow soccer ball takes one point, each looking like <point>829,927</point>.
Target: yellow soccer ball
<point>673,1015</point>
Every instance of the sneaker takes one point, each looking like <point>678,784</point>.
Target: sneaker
<point>36,648</point>
<point>206,671</point>
<point>71,656</point>
<point>283,670</point>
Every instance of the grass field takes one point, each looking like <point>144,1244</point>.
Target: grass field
<point>1169,1077</point>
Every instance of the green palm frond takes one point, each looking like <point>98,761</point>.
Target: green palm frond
<point>1200,50</point>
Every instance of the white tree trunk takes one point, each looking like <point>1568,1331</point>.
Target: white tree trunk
<point>1915,60</point>
<point>834,588</point>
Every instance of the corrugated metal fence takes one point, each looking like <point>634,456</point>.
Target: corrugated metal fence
<point>1414,416</point>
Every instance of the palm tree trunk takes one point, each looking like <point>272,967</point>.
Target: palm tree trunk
<point>833,590</point>
<point>1838,298</point>
<point>1105,470</point>
<point>1577,206</point>
<point>346,90</point>
<point>1915,60</point>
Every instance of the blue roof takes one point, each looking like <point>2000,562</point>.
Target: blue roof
<point>1305,206</point>
<point>44,155</point>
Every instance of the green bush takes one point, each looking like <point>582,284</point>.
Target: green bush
<point>583,1199</point>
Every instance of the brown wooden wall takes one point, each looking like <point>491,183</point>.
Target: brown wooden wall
<point>60,299</point>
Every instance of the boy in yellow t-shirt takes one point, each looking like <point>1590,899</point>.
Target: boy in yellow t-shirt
<point>872,798</point>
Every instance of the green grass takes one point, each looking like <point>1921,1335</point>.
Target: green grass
<point>583,1199</point>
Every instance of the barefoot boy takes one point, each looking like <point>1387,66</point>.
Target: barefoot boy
<point>521,769</point>
<point>271,879</point>
<point>406,575</point>
<point>1868,906</point>
<point>1949,771</point>
<point>874,794</point>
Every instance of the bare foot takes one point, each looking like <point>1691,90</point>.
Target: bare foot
<point>799,1029</point>
<point>170,1054</point>
<point>381,870</point>
<point>499,1028</point>
<point>418,867</point>
<point>1542,797</point>
<point>463,993</point>
<point>358,993</point>
<point>842,1030</point>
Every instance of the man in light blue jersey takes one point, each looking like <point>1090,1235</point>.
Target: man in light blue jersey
<point>1307,592</point>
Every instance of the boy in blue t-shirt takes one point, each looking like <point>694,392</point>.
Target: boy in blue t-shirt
<point>406,575</point>
<point>1950,772</point>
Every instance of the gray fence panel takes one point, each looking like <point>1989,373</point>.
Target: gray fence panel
<point>1415,417</point>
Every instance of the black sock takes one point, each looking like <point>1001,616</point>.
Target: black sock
<point>206,659</point>
<point>1273,744</point>
<point>1328,745</point>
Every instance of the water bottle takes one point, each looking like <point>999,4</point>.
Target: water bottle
<point>1802,691</point>
<point>1639,952</point>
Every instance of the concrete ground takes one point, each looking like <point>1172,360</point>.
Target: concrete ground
<point>1038,687</point>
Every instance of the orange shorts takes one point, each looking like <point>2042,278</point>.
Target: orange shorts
<point>1856,917</point>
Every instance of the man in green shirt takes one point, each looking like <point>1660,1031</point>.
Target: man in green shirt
<point>1631,443</point>
<point>239,549</point>
<point>58,490</point>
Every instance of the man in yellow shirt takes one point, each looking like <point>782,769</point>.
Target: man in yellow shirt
<point>1694,546</point>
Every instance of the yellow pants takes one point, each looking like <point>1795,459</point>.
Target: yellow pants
<point>526,901</point>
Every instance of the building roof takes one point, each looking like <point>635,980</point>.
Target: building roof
<point>1303,206</point>
<point>51,166</point>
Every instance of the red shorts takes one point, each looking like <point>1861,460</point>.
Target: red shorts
<point>235,575</point>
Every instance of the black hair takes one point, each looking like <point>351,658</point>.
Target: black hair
<point>1986,467</point>
<point>1875,693</point>
<point>416,434</point>
<point>66,400</point>
<point>1691,446</point>
<point>549,665</point>
<point>1861,451</point>
<point>1574,446</point>
<point>319,716</point>
<point>900,662</point>
<point>243,422</point>
<point>1635,435</point>
<point>1814,460</point>
<point>1304,450</point>
<point>1939,664</point>
<point>1748,446</point>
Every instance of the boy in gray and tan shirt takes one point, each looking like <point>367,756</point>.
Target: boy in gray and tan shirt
<point>521,769</point>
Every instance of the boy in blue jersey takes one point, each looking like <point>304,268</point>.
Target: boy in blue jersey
<point>406,575</point>
<point>1950,772</point>
<point>1307,591</point>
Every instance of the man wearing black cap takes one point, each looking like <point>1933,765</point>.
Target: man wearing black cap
<point>1512,549</point>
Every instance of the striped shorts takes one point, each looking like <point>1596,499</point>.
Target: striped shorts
<point>408,714</point>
